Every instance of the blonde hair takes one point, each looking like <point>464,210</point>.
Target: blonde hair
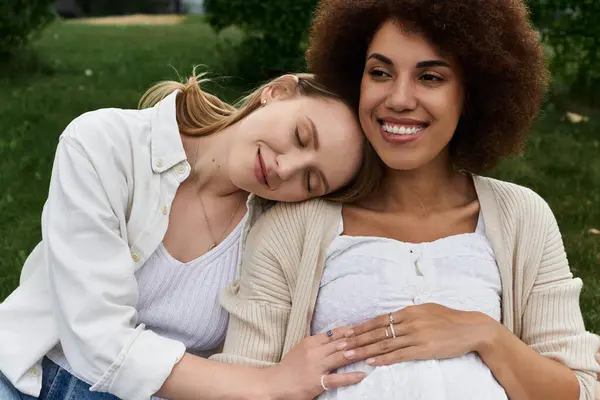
<point>200,113</point>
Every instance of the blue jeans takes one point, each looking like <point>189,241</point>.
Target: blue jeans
<point>57,384</point>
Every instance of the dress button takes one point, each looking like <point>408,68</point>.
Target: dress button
<point>35,372</point>
<point>135,257</point>
<point>164,210</point>
<point>418,300</point>
<point>181,169</point>
<point>159,163</point>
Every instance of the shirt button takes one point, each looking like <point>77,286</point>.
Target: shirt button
<point>35,372</point>
<point>159,163</point>
<point>418,300</point>
<point>181,169</point>
<point>135,257</point>
<point>164,210</point>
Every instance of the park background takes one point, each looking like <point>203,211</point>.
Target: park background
<point>59,59</point>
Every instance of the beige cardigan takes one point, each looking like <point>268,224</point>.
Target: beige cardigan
<point>271,303</point>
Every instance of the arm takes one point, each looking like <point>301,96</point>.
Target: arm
<point>260,303</point>
<point>92,284</point>
<point>555,359</point>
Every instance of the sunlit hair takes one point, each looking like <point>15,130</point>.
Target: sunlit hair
<point>200,113</point>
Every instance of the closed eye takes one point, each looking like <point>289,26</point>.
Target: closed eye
<point>308,187</point>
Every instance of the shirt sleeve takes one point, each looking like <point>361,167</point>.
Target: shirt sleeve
<point>259,305</point>
<point>93,287</point>
<point>552,320</point>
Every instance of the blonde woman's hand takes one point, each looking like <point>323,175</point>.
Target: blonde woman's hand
<point>301,373</point>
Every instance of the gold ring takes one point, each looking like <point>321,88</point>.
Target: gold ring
<point>387,334</point>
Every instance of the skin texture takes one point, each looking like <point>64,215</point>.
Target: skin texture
<point>299,140</point>
<point>396,87</point>
<point>423,198</point>
<point>297,377</point>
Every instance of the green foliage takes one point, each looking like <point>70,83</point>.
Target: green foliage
<point>275,31</point>
<point>19,20</point>
<point>571,31</point>
<point>112,7</point>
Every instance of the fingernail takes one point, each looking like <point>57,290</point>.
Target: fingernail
<point>342,346</point>
<point>371,361</point>
<point>349,333</point>
<point>349,354</point>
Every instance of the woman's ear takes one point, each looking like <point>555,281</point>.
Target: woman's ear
<point>284,87</point>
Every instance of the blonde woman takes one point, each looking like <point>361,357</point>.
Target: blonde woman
<point>146,215</point>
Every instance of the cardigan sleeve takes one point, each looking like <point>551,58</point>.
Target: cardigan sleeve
<point>258,303</point>
<point>552,320</point>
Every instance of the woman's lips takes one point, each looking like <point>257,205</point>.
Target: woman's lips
<point>401,130</point>
<point>260,170</point>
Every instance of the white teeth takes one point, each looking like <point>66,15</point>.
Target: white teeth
<point>402,130</point>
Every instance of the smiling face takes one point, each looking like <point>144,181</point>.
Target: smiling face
<point>411,98</point>
<point>295,149</point>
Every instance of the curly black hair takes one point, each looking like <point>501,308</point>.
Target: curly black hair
<point>498,50</point>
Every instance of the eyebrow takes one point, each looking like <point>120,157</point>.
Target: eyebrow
<point>315,139</point>
<point>381,58</point>
<point>314,133</point>
<point>420,64</point>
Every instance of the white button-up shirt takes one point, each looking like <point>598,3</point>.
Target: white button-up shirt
<point>114,178</point>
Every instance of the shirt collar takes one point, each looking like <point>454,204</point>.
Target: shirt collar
<point>167,148</point>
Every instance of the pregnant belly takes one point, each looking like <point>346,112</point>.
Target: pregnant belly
<point>462,378</point>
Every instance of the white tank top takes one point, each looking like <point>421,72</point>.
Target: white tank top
<point>369,276</point>
<point>181,300</point>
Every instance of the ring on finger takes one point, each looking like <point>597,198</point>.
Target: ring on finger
<point>393,330</point>
<point>330,335</point>
<point>387,334</point>
<point>325,388</point>
<point>391,318</point>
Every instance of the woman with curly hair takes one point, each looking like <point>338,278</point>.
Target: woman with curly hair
<point>457,286</point>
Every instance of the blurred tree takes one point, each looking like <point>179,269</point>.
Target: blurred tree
<point>97,8</point>
<point>275,31</point>
<point>19,21</point>
<point>571,30</point>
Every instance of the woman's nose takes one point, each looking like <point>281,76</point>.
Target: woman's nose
<point>402,96</point>
<point>287,166</point>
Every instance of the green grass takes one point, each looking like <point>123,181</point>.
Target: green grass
<point>561,163</point>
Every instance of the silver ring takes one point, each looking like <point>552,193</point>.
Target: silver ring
<point>325,388</point>
<point>393,330</point>
<point>330,335</point>
<point>391,319</point>
<point>387,334</point>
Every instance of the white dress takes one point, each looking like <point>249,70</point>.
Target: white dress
<point>369,276</point>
